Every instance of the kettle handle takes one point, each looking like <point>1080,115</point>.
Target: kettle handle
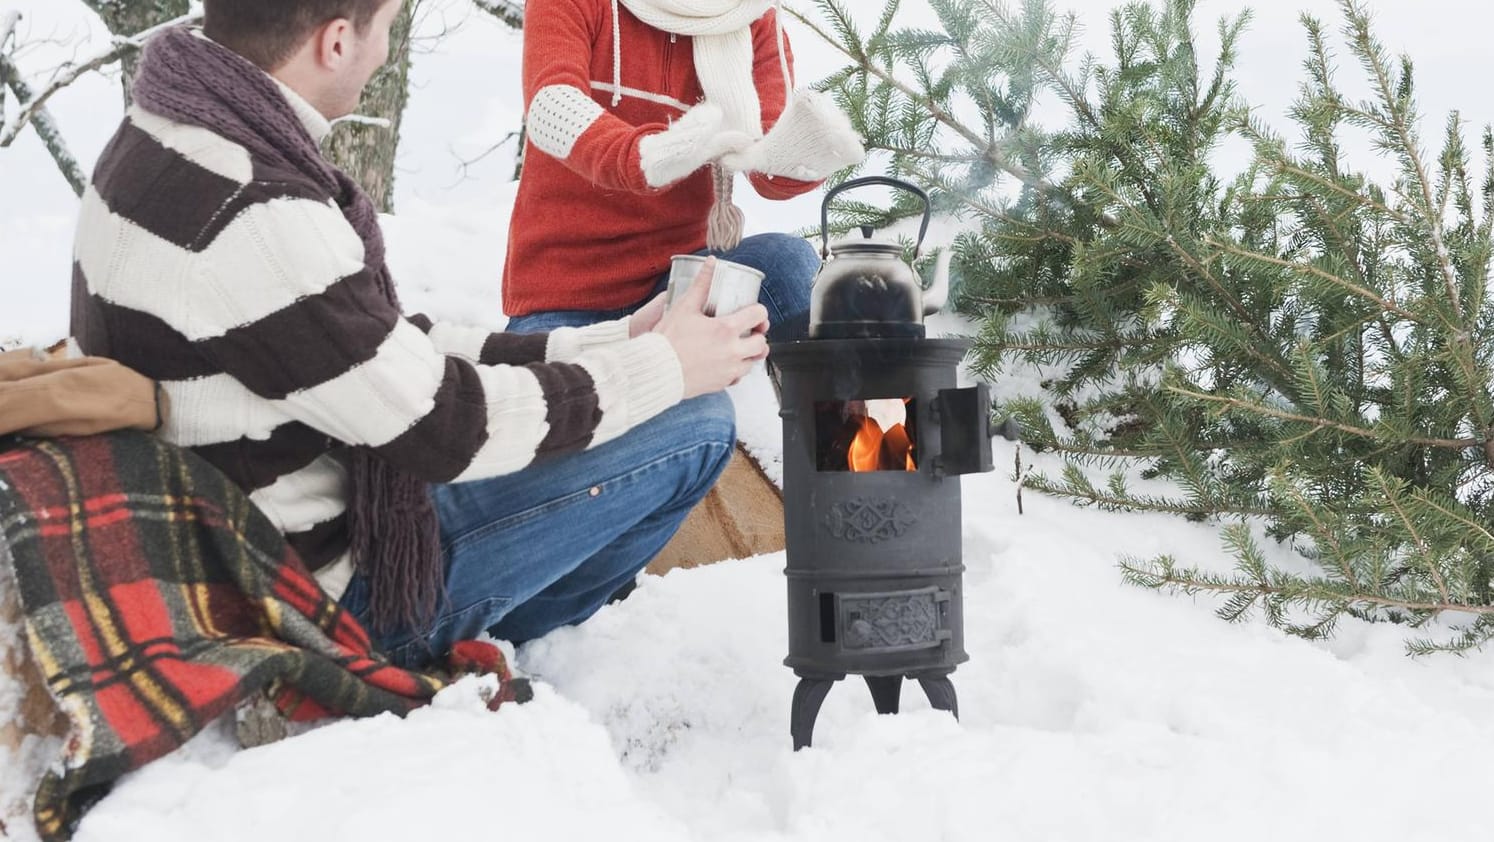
<point>862,182</point>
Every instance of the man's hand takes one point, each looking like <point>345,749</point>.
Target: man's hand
<point>696,139</point>
<point>714,352</point>
<point>645,318</point>
<point>76,397</point>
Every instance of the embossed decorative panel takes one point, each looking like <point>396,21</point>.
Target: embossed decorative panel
<point>869,520</point>
<point>890,621</point>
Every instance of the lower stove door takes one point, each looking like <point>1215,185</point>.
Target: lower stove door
<point>895,621</point>
<point>874,628</point>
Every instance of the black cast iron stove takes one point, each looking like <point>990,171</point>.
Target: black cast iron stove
<point>876,433</point>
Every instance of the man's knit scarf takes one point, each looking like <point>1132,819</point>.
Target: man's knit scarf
<point>394,535</point>
<point>721,31</point>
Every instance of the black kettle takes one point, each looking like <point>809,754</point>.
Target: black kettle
<point>864,289</point>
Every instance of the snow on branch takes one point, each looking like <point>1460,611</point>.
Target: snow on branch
<point>364,120</point>
<point>8,21</point>
<point>508,11</point>
<point>34,105</point>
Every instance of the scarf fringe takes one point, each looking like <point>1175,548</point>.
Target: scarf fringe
<point>725,223</point>
<point>394,533</point>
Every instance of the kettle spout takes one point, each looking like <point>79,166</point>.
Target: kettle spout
<point>937,294</point>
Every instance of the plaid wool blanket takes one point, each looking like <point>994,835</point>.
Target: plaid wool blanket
<point>157,597</point>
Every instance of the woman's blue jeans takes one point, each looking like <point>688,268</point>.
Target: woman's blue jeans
<point>788,264</point>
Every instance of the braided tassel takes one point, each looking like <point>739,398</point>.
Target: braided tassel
<point>724,225</point>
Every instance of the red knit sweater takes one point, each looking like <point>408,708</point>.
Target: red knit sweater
<point>587,232</point>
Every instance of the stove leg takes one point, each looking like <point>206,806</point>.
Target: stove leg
<point>808,696</point>
<point>941,693</point>
<point>885,690</point>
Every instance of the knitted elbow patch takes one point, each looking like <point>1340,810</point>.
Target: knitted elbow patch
<point>557,117</point>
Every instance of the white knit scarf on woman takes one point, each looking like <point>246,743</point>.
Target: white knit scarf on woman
<point>721,31</point>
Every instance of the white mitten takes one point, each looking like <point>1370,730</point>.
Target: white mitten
<point>811,140</point>
<point>694,140</point>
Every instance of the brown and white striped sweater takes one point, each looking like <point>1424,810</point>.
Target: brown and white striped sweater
<point>245,291</point>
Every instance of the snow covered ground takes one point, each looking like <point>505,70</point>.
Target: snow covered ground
<point>1090,710</point>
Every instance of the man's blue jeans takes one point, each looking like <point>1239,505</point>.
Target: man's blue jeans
<point>788,263</point>
<point>545,547</point>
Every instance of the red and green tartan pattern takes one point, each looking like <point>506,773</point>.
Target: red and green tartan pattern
<point>157,597</point>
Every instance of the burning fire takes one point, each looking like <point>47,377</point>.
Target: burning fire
<point>876,450</point>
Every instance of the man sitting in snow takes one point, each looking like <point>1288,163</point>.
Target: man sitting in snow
<point>638,115</point>
<point>439,480</point>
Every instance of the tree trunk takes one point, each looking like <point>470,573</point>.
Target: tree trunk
<point>128,17</point>
<point>366,152</point>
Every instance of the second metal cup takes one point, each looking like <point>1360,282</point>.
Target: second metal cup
<point>733,286</point>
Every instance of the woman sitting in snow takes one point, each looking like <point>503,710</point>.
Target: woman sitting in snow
<point>639,113</point>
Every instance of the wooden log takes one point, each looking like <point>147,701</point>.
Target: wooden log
<point>741,517</point>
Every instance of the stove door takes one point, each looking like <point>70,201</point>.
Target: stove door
<point>964,418</point>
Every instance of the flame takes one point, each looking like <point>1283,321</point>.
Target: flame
<point>866,448</point>
<point>874,450</point>
<point>897,450</point>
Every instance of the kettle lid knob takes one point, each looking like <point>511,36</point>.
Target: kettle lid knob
<point>867,231</point>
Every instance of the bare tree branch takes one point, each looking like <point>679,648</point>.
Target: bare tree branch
<point>41,119</point>
<point>510,12</point>
<point>126,16</point>
<point>464,165</point>
<point>8,21</point>
<point>119,47</point>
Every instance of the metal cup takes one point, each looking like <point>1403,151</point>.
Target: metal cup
<point>733,287</point>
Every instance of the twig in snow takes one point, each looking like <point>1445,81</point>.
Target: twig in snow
<point>1017,472</point>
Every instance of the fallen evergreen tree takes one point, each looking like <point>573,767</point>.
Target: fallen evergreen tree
<point>1295,346</point>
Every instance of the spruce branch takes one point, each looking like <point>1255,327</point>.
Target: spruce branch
<point>1472,528</point>
<point>1302,268</point>
<point>1318,423</point>
<point>1321,531</point>
<point>1237,309</point>
<point>1162,573</point>
<point>1372,55</point>
<point>1421,549</point>
<point>1075,97</point>
<point>989,150</point>
<point>1082,491</point>
<point>1395,99</point>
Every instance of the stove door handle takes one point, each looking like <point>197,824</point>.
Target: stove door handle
<point>1009,429</point>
